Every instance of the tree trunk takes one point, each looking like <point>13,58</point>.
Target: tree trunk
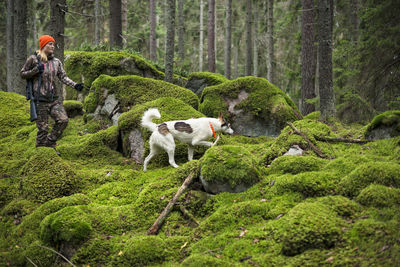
<point>228,38</point>
<point>255,40</point>
<point>153,41</point>
<point>97,22</point>
<point>249,42</point>
<point>169,50</point>
<point>124,20</point>
<point>115,24</point>
<point>201,37</point>
<point>20,44</point>
<point>354,21</point>
<point>270,40</point>
<point>211,35</point>
<point>235,62</point>
<point>181,32</point>
<point>325,19</point>
<point>307,57</point>
<point>10,45</point>
<point>57,24</point>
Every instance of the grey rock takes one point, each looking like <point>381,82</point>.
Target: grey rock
<point>218,187</point>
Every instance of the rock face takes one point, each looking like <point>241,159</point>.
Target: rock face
<point>254,106</point>
<point>197,81</point>
<point>383,126</point>
<point>228,169</point>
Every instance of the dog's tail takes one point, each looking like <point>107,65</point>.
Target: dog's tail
<point>147,119</point>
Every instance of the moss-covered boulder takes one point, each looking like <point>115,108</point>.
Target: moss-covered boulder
<point>383,173</point>
<point>73,108</point>
<point>14,113</point>
<point>296,164</point>
<point>46,176</point>
<point>384,125</point>
<point>379,196</point>
<point>197,81</point>
<point>134,137</point>
<point>308,226</point>
<point>111,96</point>
<point>228,169</point>
<point>254,106</point>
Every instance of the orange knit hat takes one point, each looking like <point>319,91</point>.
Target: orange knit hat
<point>44,39</point>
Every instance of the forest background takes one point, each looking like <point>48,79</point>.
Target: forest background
<point>365,43</point>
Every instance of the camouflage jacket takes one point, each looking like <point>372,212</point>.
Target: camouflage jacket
<point>52,68</point>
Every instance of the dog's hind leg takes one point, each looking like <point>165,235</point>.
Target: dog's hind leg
<point>154,150</point>
<point>190,152</point>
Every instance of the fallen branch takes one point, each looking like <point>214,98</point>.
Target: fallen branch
<point>313,147</point>
<point>59,254</point>
<point>188,215</point>
<point>341,140</point>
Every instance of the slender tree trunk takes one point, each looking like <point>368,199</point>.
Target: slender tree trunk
<point>153,42</point>
<point>228,38</point>
<point>249,42</point>
<point>181,32</point>
<point>57,24</point>
<point>115,24</point>
<point>235,61</point>
<point>255,40</point>
<point>20,44</point>
<point>10,45</point>
<point>270,40</point>
<point>211,35</point>
<point>354,20</point>
<point>124,20</point>
<point>169,51</point>
<point>201,41</point>
<point>307,56</point>
<point>325,19</point>
<point>97,22</point>
<point>34,29</point>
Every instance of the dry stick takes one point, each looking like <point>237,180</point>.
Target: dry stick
<point>342,140</point>
<point>313,147</point>
<point>31,261</point>
<point>160,220</point>
<point>187,214</point>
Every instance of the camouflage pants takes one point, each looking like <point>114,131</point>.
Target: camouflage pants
<point>57,112</point>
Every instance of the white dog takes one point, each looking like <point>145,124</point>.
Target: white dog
<point>193,132</point>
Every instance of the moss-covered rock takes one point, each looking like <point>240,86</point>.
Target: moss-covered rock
<point>343,206</point>
<point>255,106</point>
<point>383,173</point>
<point>197,81</point>
<point>131,90</point>
<point>73,108</point>
<point>46,176</point>
<point>135,138</point>
<point>296,164</point>
<point>379,196</point>
<point>309,225</point>
<point>384,125</point>
<point>228,169</point>
<point>14,113</point>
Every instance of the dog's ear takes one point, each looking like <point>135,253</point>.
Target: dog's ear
<point>221,116</point>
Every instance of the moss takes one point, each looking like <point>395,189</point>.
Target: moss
<point>204,260</point>
<point>229,164</point>
<point>209,77</point>
<point>46,176</point>
<point>379,196</point>
<point>114,193</point>
<point>313,116</point>
<point>383,173</point>
<point>18,208</point>
<point>14,110</point>
<point>131,90</point>
<point>73,108</point>
<point>343,206</point>
<point>296,164</point>
<point>265,100</point>
<point>309,225</point>
<point>9,189</point>
<point>386,119</point>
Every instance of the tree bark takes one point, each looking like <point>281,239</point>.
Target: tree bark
<point>235,62</point>
<point>249,43</point>
<point>97,22</point>
<point>211,36</point>
<point>57,24</point>
<point>325,19</point>
<point>169,50</point>
<point>20,44</point>
<point>10,45</point>
<point>153,41</point>
<point>255,40</point>
<point>354,20</point>
<point>270,40</point>
<point>181,32</point>
<point>124,20</point>
<point>228,39</point>
<point>115,24</point>
<point>201,40</point>
<point>307,56</point>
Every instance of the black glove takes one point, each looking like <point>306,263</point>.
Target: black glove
<point>78,87</point>
<point>40,67</point>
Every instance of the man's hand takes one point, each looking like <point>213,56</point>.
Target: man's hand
<point>78,87</point>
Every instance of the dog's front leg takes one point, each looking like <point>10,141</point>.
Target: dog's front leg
<point>190,152</point>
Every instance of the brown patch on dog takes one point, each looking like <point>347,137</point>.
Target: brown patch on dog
<point>163,129</point>
<point>183,127</point>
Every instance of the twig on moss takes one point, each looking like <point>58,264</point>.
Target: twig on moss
<point>188,215</point>
<point>59,254</point>
<point>31,261</point>
<point>313,147</point>
<point>341,140</point>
